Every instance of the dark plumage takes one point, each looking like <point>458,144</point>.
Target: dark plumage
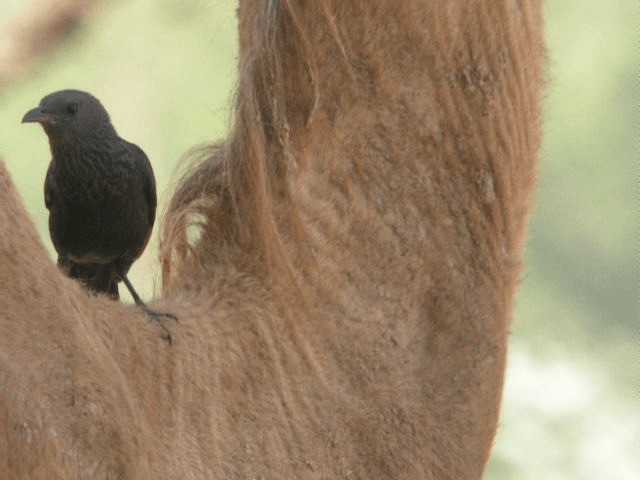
<point>100,192</point>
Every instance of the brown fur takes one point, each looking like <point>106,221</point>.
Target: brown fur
<point>343,265</point>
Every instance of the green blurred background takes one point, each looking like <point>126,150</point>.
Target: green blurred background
<point>166,72</point>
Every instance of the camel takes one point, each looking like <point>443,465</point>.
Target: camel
<point>343,265</point>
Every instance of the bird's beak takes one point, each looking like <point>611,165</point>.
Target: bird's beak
<point>37,115</point>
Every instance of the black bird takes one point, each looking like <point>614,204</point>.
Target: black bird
<point>100,192</point>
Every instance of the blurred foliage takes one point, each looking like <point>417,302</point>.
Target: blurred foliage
<point>166,71</point>
<point>570,408</point>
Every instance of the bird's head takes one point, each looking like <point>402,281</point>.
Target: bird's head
<point>70,113</point>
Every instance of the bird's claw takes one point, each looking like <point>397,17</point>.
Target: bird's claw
<point>169,315</point>
<point>166,335</point>
<point>155,316</point>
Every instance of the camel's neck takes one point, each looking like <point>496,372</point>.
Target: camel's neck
<point>397,136</point>
<point>382,141</point>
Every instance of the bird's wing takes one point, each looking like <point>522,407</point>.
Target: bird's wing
<point>149,183</point>
<point>50,187</point>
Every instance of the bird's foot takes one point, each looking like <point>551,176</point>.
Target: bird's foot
<point>153,313</point>
<point>156,316</point>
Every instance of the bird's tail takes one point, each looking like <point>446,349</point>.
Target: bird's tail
<point>97,278</point>
<point>103,282</point>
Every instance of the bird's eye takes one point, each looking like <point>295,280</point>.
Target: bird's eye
<point>72,108</point>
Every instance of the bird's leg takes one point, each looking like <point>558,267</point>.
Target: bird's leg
<point>152,313</point>
<point>140,303</point>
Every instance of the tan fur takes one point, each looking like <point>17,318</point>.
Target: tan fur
<point>343,265</point>
<point>36,30</point>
